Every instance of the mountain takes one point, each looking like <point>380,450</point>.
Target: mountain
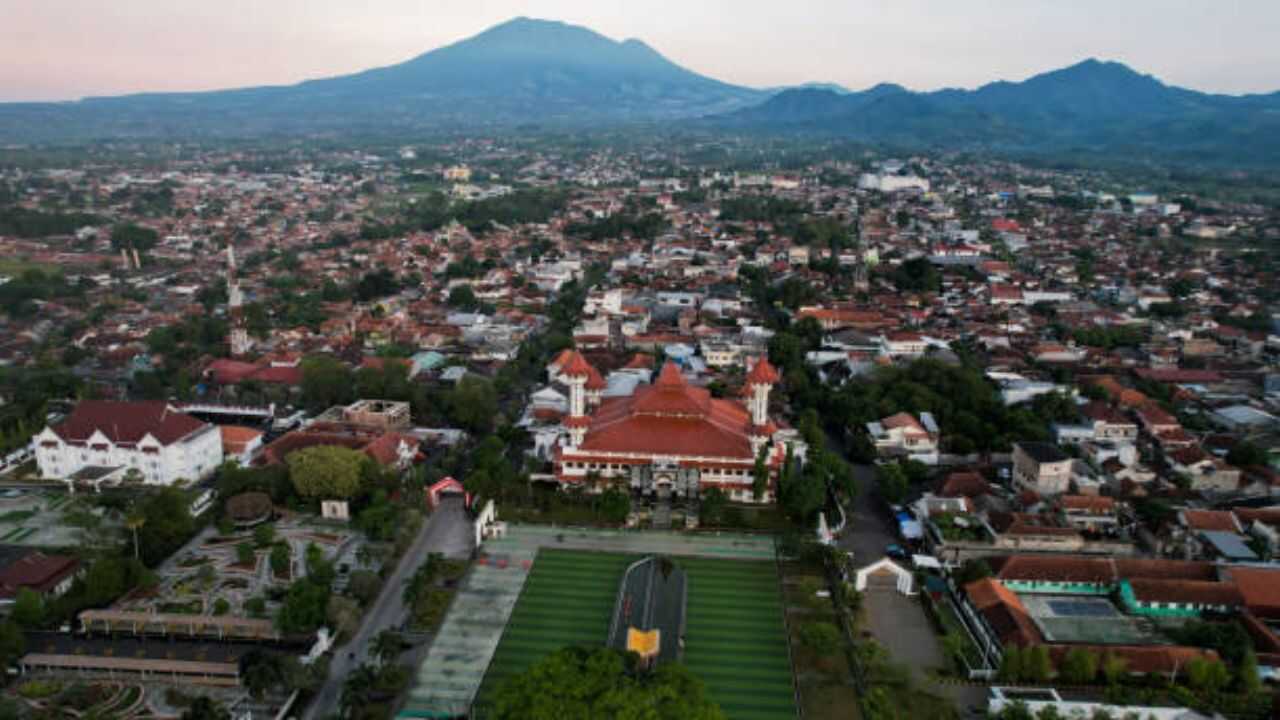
<point>1092,106</point>
<point>522,71</point>
<point>529,73</point>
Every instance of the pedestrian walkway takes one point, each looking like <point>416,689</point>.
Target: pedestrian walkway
<point>447,681</point>
<point>662,515</point>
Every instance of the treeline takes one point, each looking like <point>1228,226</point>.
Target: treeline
<point>916,275</point>
<point>1114,336</point>
<point>970,411</point>
<point>760,208</point>
<point>521,206</point>
<point>25,223</point>
<point>645,227</point>
<point>434,211</point>
<point>18,296</point>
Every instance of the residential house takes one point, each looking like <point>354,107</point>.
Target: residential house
<point>1041,468</point>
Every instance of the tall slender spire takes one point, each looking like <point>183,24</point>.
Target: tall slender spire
<point>239,339</point>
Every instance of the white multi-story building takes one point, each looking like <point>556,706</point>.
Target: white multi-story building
<point>892,183</point>
<point>105,440</point>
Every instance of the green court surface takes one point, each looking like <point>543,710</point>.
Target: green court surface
<point>735,639</point>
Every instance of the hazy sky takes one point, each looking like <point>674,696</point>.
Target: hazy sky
<point>59,49</point>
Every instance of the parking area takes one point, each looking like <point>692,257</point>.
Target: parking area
<point>898,622</point>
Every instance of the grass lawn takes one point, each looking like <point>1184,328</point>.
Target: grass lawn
<point>734,639</point>
<point>17,516</point>
<point>567,600</point>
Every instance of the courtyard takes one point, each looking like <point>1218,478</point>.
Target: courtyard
<point>209,576</point>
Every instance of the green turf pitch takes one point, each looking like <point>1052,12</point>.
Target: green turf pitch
<point>734,639</point>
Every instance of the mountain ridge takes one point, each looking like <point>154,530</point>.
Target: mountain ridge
<point>528,72</point>
<point>1093,105</point>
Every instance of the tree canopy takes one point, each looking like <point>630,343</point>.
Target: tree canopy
<point>134,237</point>
<point>166,524</point>
<point>579,683</point>
<point>326,472</point>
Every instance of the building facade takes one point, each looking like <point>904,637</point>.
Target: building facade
<point>152,439</point>
<point>1041,468</point>
<point>669,439</point>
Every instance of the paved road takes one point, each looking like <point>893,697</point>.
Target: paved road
<point>897,622</point>
<point>446,531</point>
<point>869,530</point>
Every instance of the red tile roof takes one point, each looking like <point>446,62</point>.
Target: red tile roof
<point>1211,520</point>
<point>1196,592</point>
<point>385,450</point>
<point>127,422</point>
<point>1260,588</point>
<point>639,361</point>
<point>965,484</point>
<point>1004,612</point>
<point>1059,568</point>
<point>1141,659</point>
<point>229,372</point>
<point>236,438</point>
<point>670,418</point>
<point>576,366</point>
<point>594,380</point>
<point>36,571</point>
<point>762,373</point>
<point>1088,503</point>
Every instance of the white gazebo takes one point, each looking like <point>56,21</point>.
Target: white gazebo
<point>906,582</point>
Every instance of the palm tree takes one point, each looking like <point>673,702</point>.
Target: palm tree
<point>356,688</point>
<point>387,646</point>
<point>134,521</point>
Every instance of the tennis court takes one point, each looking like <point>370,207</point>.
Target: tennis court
<point>1094,620</point>
<point>1082,607</point>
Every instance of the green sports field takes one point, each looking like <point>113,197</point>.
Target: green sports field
<point>734,637</point>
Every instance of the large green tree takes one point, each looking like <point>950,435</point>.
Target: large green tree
<point>303,609</point>
<point>135,237</point>
<point>578,683</point>
<point>472,404</point>
<point>326,382</point>
<point>166,524</point>
<point>12,643</point>
<point>28,608</point>
<point>326,472</point>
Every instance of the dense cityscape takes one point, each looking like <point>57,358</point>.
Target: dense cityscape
<point>660,424</point>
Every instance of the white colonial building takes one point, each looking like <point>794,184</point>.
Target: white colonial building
<point>105,440</point>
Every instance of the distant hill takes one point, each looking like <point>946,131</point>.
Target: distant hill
<point>1091,106</point>
<point>833,87</point>
<point>529,73</point>
<point>522,71</point>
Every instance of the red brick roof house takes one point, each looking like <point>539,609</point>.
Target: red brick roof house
<point>48,575</point>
